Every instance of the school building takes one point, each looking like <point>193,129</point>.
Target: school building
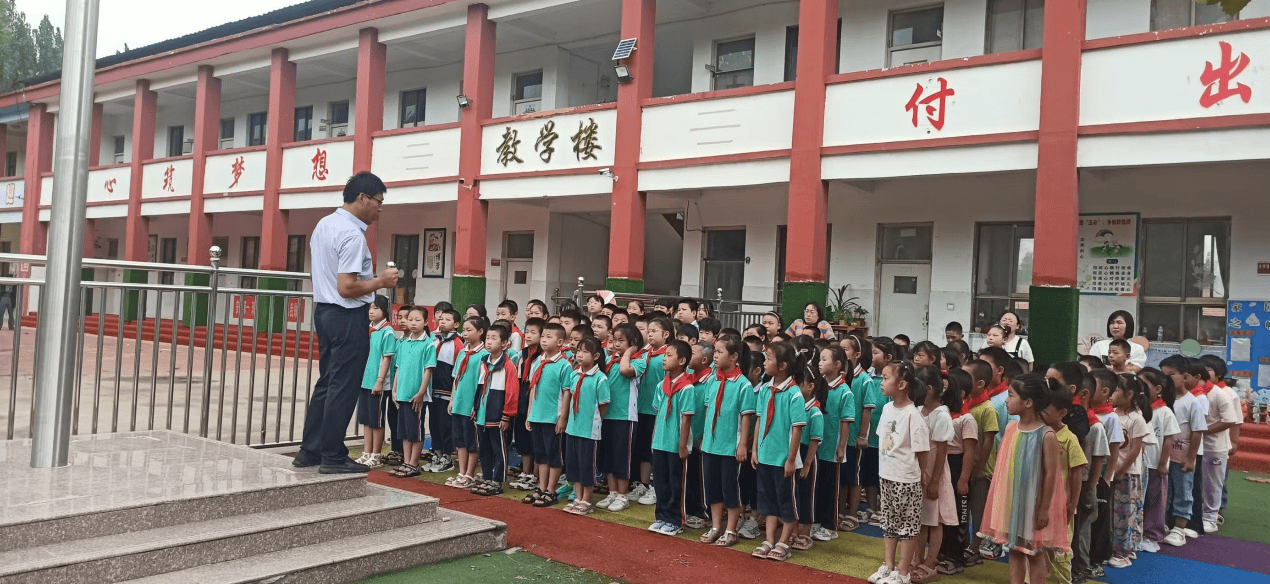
<point>945,160</point>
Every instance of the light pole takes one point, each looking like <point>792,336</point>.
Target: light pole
<point>60,316</point>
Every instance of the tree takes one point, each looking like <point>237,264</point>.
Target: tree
<point>26,52</point>
<point>48,47</point>
<point>1231,7</point>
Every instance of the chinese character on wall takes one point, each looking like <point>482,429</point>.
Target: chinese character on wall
<point>167,179</point>
<point>319,165</point>
<point>584,142</point>
<point>546,137</point>
<point>933,104</point>
<point>1217,79</point>
<point>507,149</point>
<point>237,169</point>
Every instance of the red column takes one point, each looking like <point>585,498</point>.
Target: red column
<point>1057,193</point>
<point>817,29</point>
<point>478,83</point>
<point>626,231</point>
<point>136,242</point>
<point>94,140</point>
<point>206,138</point>
<point>39,159</point>
<point>281,131</point>
<point>4,149</point>
<point>371,56</point>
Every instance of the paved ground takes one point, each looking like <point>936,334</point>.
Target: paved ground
<point>516,566</point>
<point>269,394</point>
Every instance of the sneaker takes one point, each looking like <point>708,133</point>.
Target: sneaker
<point>1119,562</point>
<point>1210,527</point>
<point>442,464</point>
<point>668,529</point>
<point>1149,546</point>
<point>748,529</point>
<point>656,526</point>
<point>637,491</point>
<point>376,461</point>
<point>694,522</point>
<point>649,497</point>
<point>365,458</point>
<point>1079,578</point>
<point>896,578</point>
<point>1190,533</point>
<point>620,503</point>
<point>881,575</point>
<point>606,501</point>
<point>564,491</point>
<point>862,516</point>
<point>1176,538</point>
<point>819,533</point>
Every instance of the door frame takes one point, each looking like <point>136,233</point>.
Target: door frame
<point>503,259</point>
<point>878,262</point>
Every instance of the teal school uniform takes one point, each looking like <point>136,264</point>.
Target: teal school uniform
<point>839,407</point>
<point>873,396</point>
<point>815,423</point>
<point>467,367</point>
<point>383,343</point>
<point>624,391</point>
<point>650,384</point>
<point>780,409</point>
<point>670,411</point>
<point>722,406</point>
<point>588,393</point>
<point>699,388</point>
<point>553,376</point>
<point>413,358</point>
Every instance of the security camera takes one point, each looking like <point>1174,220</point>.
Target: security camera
<point>606,172</point>
<point>461,181</point>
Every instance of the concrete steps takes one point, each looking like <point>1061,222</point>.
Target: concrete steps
<point>165,507</point>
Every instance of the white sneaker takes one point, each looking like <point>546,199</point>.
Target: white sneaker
<point>637,491</point>
<point>748,529</point>
<point>882,574</point>
<point>819,533</point>
<point>1118,563</point>
<point>1210,527</point>
<point>445,464</point>
<point>896,578</point>
<point>1176,538</point>
<point>668,529</point>
<point>649,497</point>
<point>606,501</point>
<point>1149,546</point>
<point>1190,533</point>
<point>619,503</point>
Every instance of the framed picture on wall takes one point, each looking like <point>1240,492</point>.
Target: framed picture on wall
<point>434,253</point>
<point>153,248</point>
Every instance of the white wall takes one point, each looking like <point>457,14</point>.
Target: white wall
<point>759,211</point>
<point>111,126</point>
<point>442,84</point>
<point>171,111</point>
<point>320,98</point>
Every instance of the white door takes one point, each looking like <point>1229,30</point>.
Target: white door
<point>905,300</point>
<point>516,277</point>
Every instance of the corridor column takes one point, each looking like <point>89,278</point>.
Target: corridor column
<point>1055,298</point>
<point>371,59</point>
<point>94,137</point>
<point>39,160</point>
<point>137,227</point>
<point>4,149</point>
<point>629,205</point>
<point>468,284</point>
<point>206,139</point>
<point>805,277</point>
<point>280,131</point>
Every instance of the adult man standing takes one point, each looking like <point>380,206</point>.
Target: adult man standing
<point>344,285</point>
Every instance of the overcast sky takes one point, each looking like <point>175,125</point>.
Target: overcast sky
<point>144,22</point>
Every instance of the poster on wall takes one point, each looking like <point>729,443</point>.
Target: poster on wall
<point>1248,344</point>
<point>433,253</point>
<point>1107,260</point>
<point>11,195</point>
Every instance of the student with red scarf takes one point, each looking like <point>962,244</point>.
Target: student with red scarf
<point>672,435</point>
<point>782,415</point>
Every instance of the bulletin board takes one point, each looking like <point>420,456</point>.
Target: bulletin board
<point>1248,344</point>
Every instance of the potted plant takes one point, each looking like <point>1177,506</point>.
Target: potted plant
<point>857,313</point>
<point>846,308</point>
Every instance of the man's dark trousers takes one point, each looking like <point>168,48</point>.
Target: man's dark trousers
<point>344,347</point>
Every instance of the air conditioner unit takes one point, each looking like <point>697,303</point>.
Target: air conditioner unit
<point>226,143</point>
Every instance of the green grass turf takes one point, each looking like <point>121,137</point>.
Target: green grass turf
<point>1247,515</point>
<point>851,554</point>
<point>494,567</point>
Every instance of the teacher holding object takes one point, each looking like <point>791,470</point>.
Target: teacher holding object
<point>344,286</point>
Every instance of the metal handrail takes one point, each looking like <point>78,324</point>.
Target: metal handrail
<point>156,267</point>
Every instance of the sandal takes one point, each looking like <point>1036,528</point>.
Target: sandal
<point>398,472</point>
<point>583,508</point>
<point>922,574</point>
<point>762,550</point>
<point>780,552</point>
<point>711,536</point>
<point>800,542</point>
<point>728,539</point>
<point>531,497</point>
<point>570,508</point>
<point>947,567</point>
<point>848,523</point>
<point>410,471</point>
<point>546,499</point>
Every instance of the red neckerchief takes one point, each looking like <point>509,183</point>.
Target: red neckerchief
<point>839,380</point>
<point>577,389</point>
<point>528,364</point>
<point>376,327</point>
<point>466,354</point>
<point>699,376</point>
<point>1202,389</point>
<point>723,379</point>
<point>649,353</point>
<point>486,371</point>
<point>974,402</point>
<point>1158,403</point>
<point>771,403</point>
<point>999,389</point>
<point>672,386</point>
<point>613,362</point>
<point>1220,384</point>
<point>533,381</point>
<point>1102,410</point>
<point>458,343</point>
